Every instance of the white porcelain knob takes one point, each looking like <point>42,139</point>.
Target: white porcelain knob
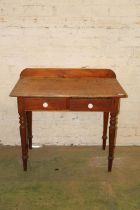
<point>90,106</point>
<point>45,104</point>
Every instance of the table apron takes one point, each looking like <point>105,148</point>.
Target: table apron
<point>70,104</point>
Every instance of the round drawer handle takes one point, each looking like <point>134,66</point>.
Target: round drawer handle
<point>45,104</point>
<point>90,106</point>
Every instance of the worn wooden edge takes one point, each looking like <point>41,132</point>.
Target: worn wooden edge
<point>124,95</point>
<point>69,97</point>
<point>11,93</point>
<point>68,72</point>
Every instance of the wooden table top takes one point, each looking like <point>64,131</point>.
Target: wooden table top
<point>68,87</point>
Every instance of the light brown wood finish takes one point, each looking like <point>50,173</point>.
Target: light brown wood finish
<point>67,90</point>
<point>68,87</point>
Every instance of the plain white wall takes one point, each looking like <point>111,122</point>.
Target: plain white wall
<point>76,33</point>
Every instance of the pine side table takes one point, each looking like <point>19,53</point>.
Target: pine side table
<point>88,90</point>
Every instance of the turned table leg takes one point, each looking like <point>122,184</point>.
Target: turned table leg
<point>29,128</point>
<point>105,124</point>
<point>23,131</point>
<point>23,135</point>
<point>112,136</point>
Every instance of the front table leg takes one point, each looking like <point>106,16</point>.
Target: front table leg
<point>23,131</point>
<point>23,135</point>
<point>112,136</point>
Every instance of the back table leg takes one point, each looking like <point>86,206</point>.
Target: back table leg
<point>29,128</point>
<point>105,125</point>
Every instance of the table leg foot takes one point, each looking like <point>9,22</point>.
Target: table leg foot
<point>25,164</point>
<point>110,162</point>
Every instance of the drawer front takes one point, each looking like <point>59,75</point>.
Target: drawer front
<point>91,105</point>
<point>44,104</point>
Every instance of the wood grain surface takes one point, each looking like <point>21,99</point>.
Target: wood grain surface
<point>68,87</point>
